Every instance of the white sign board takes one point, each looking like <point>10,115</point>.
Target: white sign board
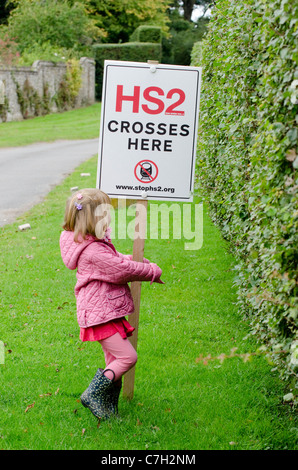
<point>148,135</point>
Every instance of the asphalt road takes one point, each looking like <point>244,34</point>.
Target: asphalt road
<point>28,173</point>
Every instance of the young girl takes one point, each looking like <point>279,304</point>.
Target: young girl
<point>102,293</point>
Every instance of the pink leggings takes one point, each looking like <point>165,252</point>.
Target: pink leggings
<point>120,355</point>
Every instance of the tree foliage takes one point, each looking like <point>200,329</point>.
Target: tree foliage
<point>51,29</point>
<point>247,159</point>
<point>5,8</point>
<point>57,24</point>
<point>177,46</point>
<point>119,18</point>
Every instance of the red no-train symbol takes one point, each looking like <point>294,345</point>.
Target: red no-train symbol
<point>146,171</point>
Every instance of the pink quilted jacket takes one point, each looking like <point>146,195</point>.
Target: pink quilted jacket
<point>101,290</point>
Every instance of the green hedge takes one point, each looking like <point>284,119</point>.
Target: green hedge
<point>146,33</point>
<point>129,51</point>
<point>247,161</point>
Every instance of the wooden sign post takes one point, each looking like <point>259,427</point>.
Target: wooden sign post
<point>138,255</point>
<point>147,146</point>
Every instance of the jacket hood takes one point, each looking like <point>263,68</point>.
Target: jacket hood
<point>71,250</point>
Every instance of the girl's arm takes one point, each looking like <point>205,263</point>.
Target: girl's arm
<point>111,267</point>
<point>129,257</point>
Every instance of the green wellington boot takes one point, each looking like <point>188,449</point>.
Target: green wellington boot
<point>98,397</point>
<point>115,393</point>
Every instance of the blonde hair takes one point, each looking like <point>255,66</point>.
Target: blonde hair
<point>86,213</point>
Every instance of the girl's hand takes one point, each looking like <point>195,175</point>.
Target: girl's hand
<point>156,273</point>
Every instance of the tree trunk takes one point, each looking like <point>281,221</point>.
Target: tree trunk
<point>187,9</point>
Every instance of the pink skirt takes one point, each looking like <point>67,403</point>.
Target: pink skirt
<point>99,332</point>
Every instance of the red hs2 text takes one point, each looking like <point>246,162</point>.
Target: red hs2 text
<point>154,100</point>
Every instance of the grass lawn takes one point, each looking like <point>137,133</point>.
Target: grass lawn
<point>180,403</point>
<point>81,123</point>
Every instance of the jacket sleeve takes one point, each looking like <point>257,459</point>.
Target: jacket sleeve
<point>145,260</point>
<point>129,257</point>
<point>111,267</point>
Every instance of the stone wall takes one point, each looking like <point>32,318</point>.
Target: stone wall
<point>40,77</point>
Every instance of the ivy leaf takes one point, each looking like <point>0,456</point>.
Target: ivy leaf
<point>291,155</point>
